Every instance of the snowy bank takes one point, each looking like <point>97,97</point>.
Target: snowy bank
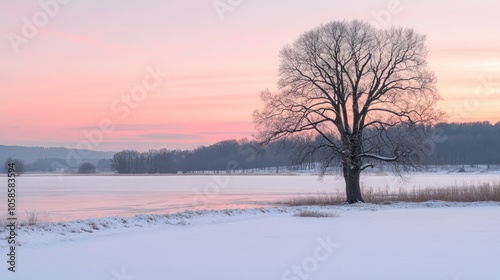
<point>414,241</point>
<point>49,233</point>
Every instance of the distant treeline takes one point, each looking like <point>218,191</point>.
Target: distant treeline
<point>223,156</point>
<point>466,143</point>
<point>451,144</point>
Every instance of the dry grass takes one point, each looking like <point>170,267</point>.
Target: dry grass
<point>29,219</point>
<point>33,218</point>
<point>484,192</point>
<point>317,214</point>
<point>319,199</point>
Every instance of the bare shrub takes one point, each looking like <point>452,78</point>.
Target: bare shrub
<point>317,214</point>
<point>33,217</point>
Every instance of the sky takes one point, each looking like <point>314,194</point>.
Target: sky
<point>121,74</point>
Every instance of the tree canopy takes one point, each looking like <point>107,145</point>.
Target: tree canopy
<point>351,83</point>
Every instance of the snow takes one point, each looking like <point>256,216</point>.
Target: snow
<point>433,240</point>
<point>380,157</point>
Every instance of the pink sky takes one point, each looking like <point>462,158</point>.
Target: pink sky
<point>74,72</point>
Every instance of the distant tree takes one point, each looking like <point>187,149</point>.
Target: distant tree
<point>87,168</point>
<point>19,165</point>
<point>349,84</point>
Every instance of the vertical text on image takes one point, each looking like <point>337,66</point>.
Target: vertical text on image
<point>11,216</point>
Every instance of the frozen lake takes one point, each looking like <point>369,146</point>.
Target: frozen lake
<point>59,198</point>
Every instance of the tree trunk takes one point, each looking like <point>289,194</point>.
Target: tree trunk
<point>351,176</point>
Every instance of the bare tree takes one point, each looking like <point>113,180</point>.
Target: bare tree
<point>361,91</point>
<point>87,168</point>
<point>19,165</point>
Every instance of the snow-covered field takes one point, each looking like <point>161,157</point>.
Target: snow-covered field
<point>441,241</point>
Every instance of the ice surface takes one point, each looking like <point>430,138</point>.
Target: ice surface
<point>62,198</point>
